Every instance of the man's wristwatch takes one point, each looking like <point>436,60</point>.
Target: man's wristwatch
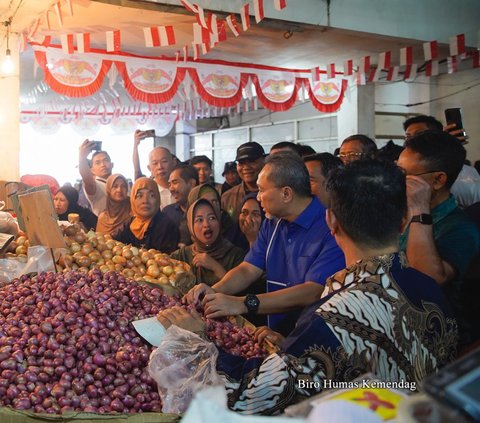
<point>252,303</point>
<point>424,219</point>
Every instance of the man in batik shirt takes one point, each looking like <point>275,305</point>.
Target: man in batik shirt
<point>378,315</point>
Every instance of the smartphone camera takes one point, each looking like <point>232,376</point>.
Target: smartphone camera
<point>454,115</point>
<point>149,133</point>
<point>97,146</point>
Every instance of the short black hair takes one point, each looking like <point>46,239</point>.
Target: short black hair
<point>327,160</point>
<point>442,151</point>
<point>306,150</point>
<point>390,152</point>
<point>369,200</point>
<point>287,144</point>
<point>288,170</point>
<point>432,123</point>
<point>201,159</point>
<point>369,146</point>
<point>187,172</point>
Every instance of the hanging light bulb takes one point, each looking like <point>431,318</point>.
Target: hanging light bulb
<point>7,66</point>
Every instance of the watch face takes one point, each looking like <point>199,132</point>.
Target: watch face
<point>252,302</point>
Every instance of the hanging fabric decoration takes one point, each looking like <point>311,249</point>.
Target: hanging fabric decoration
<point>430,50</point>
<point>113,41</point>
<point>245,15</point>
<point>348,68</point>
<point>258,9</point>
<point>58,12</point>
<point>280,4</point>
<point>410,72</point>
<point>72,75</point>
<point>364,67</point>
<point>67,43</point>
<point>406,56</point>
<point>232,24</point>
<point>276,90</point>
<point>159,36</point>
<point>384,60</point>
<point>393,73</point>
<point>452,64</point>
<point>151,81</point>
<point>327,95</point>
<point>431,68</point>
<point>457,44</point>
<point>83,42</point>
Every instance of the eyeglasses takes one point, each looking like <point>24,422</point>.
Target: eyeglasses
<point>418,174</point>
<point>350,155</point>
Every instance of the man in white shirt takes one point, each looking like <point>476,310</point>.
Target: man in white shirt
<point>94,173</point>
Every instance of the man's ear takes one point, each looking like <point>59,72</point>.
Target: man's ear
<point>332,221</point>
<point>287,194</point>
<point>439,181</point>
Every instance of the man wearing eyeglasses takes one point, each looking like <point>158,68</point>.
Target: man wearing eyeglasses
<point>439,241</point>
<point>357,147</point>
<point>250,159</point>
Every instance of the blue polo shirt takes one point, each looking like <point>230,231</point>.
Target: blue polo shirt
<point>298,251</point>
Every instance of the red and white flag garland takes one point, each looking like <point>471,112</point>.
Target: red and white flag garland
<point>258,9</point>
<point>406,56</point>
<point>432,68</point>
<point>113,41</point>
<point>410,72</point>
<point>83,42</point>
<point>364,65</point>
<point>457,45</point>
<point>452,64</point>
<point>280,4</point>
<point>331,71</point>
<point>67,43</point>
<point>159,36</point>
<point>385,60</point>
<point>430,50</point>
<point>58,12</point>
<point>245,15</point>
<point>232,24</point>
<point>348,68</point>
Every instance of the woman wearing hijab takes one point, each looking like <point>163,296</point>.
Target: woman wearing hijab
<point>149,228</point>
<point>251,217</point>
<point>66,202</point>
<point>230,230</point>
<point>118,212</point>
<point>210,255</point>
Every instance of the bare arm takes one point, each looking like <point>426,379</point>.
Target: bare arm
<point>137,170</point>
<point>422,253</point>
<point>88,177</point>
<point>284,300</point>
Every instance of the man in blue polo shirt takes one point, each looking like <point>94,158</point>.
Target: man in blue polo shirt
<point>295,248</point>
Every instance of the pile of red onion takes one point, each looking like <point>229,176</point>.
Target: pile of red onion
<point>67,343</point>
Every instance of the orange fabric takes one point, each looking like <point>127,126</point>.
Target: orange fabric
<point>140,224</point>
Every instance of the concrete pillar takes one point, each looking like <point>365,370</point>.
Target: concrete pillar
<point>10,115</point>
<point>183,129</point>
<point>357,113</point>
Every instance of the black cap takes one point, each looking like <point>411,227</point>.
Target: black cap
<point>229,167</point>
<point>250,151</point>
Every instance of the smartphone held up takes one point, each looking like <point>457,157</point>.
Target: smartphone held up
<point>149,133</point>
<point>454,116</point>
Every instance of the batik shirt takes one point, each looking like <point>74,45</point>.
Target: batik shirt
<point>378,316</point>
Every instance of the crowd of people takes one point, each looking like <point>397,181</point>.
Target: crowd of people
<point>356,262</point>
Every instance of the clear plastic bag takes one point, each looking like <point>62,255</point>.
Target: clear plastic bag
<point>182,365</point>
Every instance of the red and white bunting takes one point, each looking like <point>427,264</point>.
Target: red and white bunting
<point>406,56</point>
<point>476,59</point>
<point>430,50</point>
<point>385,60</point>
<point>67,43</point>
<point>232,24</point>
<point>196,51</point>
<point>245,15</point>
<point>200,35</point>
<point>375,74</point>
<point>213,25</point>
<point>316,74</point>
<point>331,71</point>
<point>159,36</point>
<point>205,48</point>
<point>410,72</point>
<point>457,44</point>
<point>364,65</point>
<point>360,78</point>
<point>70,7</point>
<point>452,65</point>
<point>280,4</point>
<point>58,12</point>
<point>258,9</point>
<point>189,6</point>
<point>432,68</point>
<point>113,41</point>
<point>348,67</point>
<point>221,31</point>
<point>185,53</point>
<point>392,74</point>
<point>83,42</point>
<point>201,17</point>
